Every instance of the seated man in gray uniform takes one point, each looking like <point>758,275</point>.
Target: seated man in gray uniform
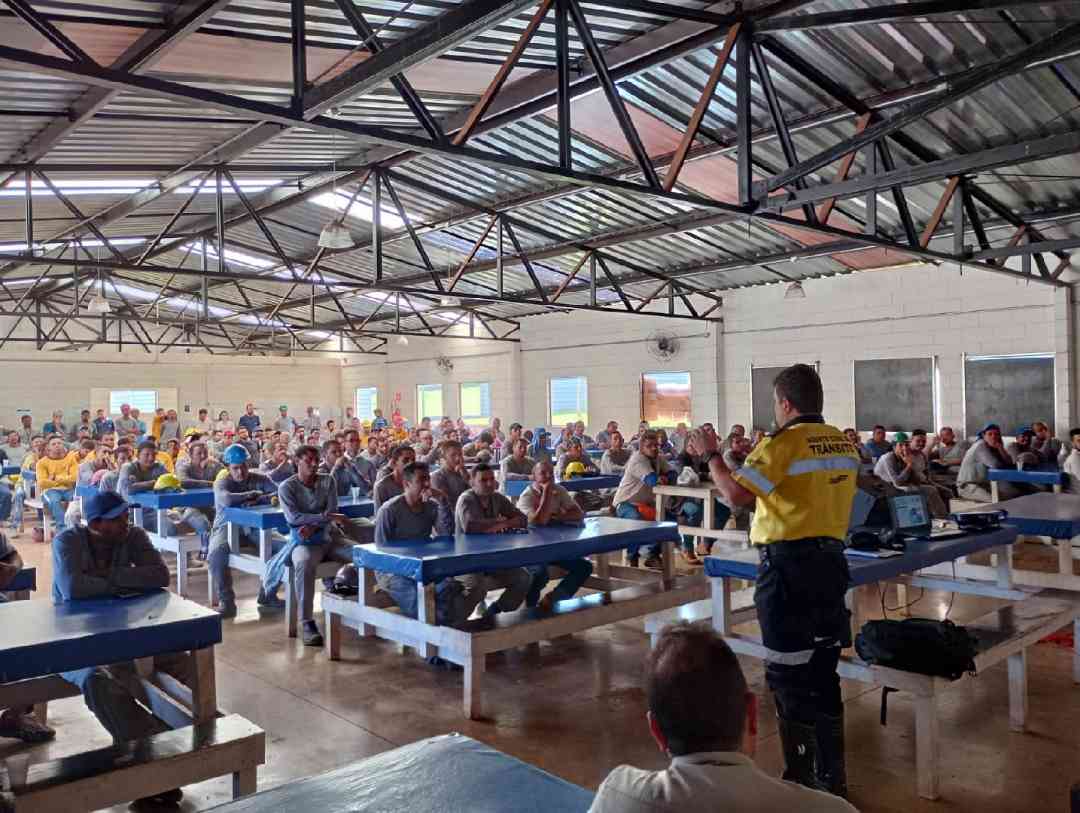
<point>483,510</point>
<point>103,559</point>
<point>242,486</point>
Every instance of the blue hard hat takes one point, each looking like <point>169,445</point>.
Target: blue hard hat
<point>235,455</point>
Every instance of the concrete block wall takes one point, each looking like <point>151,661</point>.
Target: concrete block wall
<point>901,313</point>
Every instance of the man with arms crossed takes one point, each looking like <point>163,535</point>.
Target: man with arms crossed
<point>803,478</point>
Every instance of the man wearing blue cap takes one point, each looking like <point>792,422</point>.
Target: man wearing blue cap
<point>103,559</point>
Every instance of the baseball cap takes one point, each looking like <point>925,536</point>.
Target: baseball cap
<point>900,437</point>
<point>103,506</point>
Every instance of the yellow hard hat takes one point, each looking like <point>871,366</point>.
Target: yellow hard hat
<point>167,482</point>
<point>191,431</point>
<point>575,469</point>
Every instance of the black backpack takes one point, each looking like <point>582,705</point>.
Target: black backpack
<point>922,645</point>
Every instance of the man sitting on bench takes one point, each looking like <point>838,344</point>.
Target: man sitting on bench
<point>18,723</point>
<point>483,510</point>
<point>240,487</point>
<point>545,502</point>
<point>973,481</point>
<point>309,500</point>
<point>412,517</point>
<point>104,559</point>
<point>711,745</point>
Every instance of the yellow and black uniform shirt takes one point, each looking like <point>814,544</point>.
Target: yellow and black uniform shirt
<point>804,478</point>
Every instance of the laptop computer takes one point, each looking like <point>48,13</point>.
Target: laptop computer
<point>911,518</point>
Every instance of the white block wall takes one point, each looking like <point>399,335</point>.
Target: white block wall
<point>900,313</point>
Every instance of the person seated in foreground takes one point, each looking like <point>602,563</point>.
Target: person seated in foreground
<point>517,465</point>
<point>973,480</point>
<point>1071,467</point>
<point>241,487</point>
<point>616,455</point>
<point>317,531</point>
<point>412,517</point>
<point>711,745</point>
<point>17,723</point>
<point>101,560</point>
<point>907,469</point>
<point>545,502</point>
<point>877,445</point>
<point>483,510</point>
<point>634,498</point>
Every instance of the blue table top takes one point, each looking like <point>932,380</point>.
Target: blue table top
<point>515,488</point>
<point>9,468</point>
<point>191,498</point>
<point>431,560</point>
<point>41,638</point>
<point>743,564</point>
<point>447,773</point>
<point>272,517</point>
<point>1045,514</point>
<point>86,491</point>
<point>1037,477</point>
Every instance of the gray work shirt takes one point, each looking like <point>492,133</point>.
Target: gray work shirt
<point>397,520</point>
<point>471,506</point>
<point>229,493</point>
<point>133,564</point>
<point>385,490</point>
<point>978,461</point>
<point>513,469</point>
<point>453,485</point>
<point>613,462</point>
<point>308,505</point>
<point>132,473</point>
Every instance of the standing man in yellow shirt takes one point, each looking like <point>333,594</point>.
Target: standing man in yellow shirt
<point>803,479</point>
<point>56,473</point>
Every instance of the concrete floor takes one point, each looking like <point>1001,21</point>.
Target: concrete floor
<point>577,709</point>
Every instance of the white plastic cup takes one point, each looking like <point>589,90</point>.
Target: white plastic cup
<point>355,493</point>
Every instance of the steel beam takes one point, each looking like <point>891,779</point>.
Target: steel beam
<point>451,28</point>
<point>892,13</point>
<point>1043,52</point>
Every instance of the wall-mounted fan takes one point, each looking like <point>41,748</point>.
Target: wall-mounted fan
<point>662,345</point>
<point>444,364</point>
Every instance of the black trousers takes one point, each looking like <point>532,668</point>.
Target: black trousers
<point>804,623</point>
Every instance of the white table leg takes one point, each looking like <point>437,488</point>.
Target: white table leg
<point>203,685</point>
<point>366,585</point>
<point>1018,694</point>
<point>266,544</point>
<point>721,604</point>
<point>425,614</point>
<point>291,610</point>
<point>1004,567</point>
<point>994,497</point>
<point>181,557</point>
<point>1057,488</point>
<point>234,537</point>
<point>1065,559</point>
<point>708,515</point>
<point>333,636</point>
<point>926,739</point>
<point>473,701</point>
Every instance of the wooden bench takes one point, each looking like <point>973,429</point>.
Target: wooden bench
<point>707,494</point>
<point>131,770</point>
<point>469,645</point>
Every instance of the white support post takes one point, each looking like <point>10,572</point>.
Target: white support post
<point>1018,694</point>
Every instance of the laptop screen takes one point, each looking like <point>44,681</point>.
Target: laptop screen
<point>910,513</point>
